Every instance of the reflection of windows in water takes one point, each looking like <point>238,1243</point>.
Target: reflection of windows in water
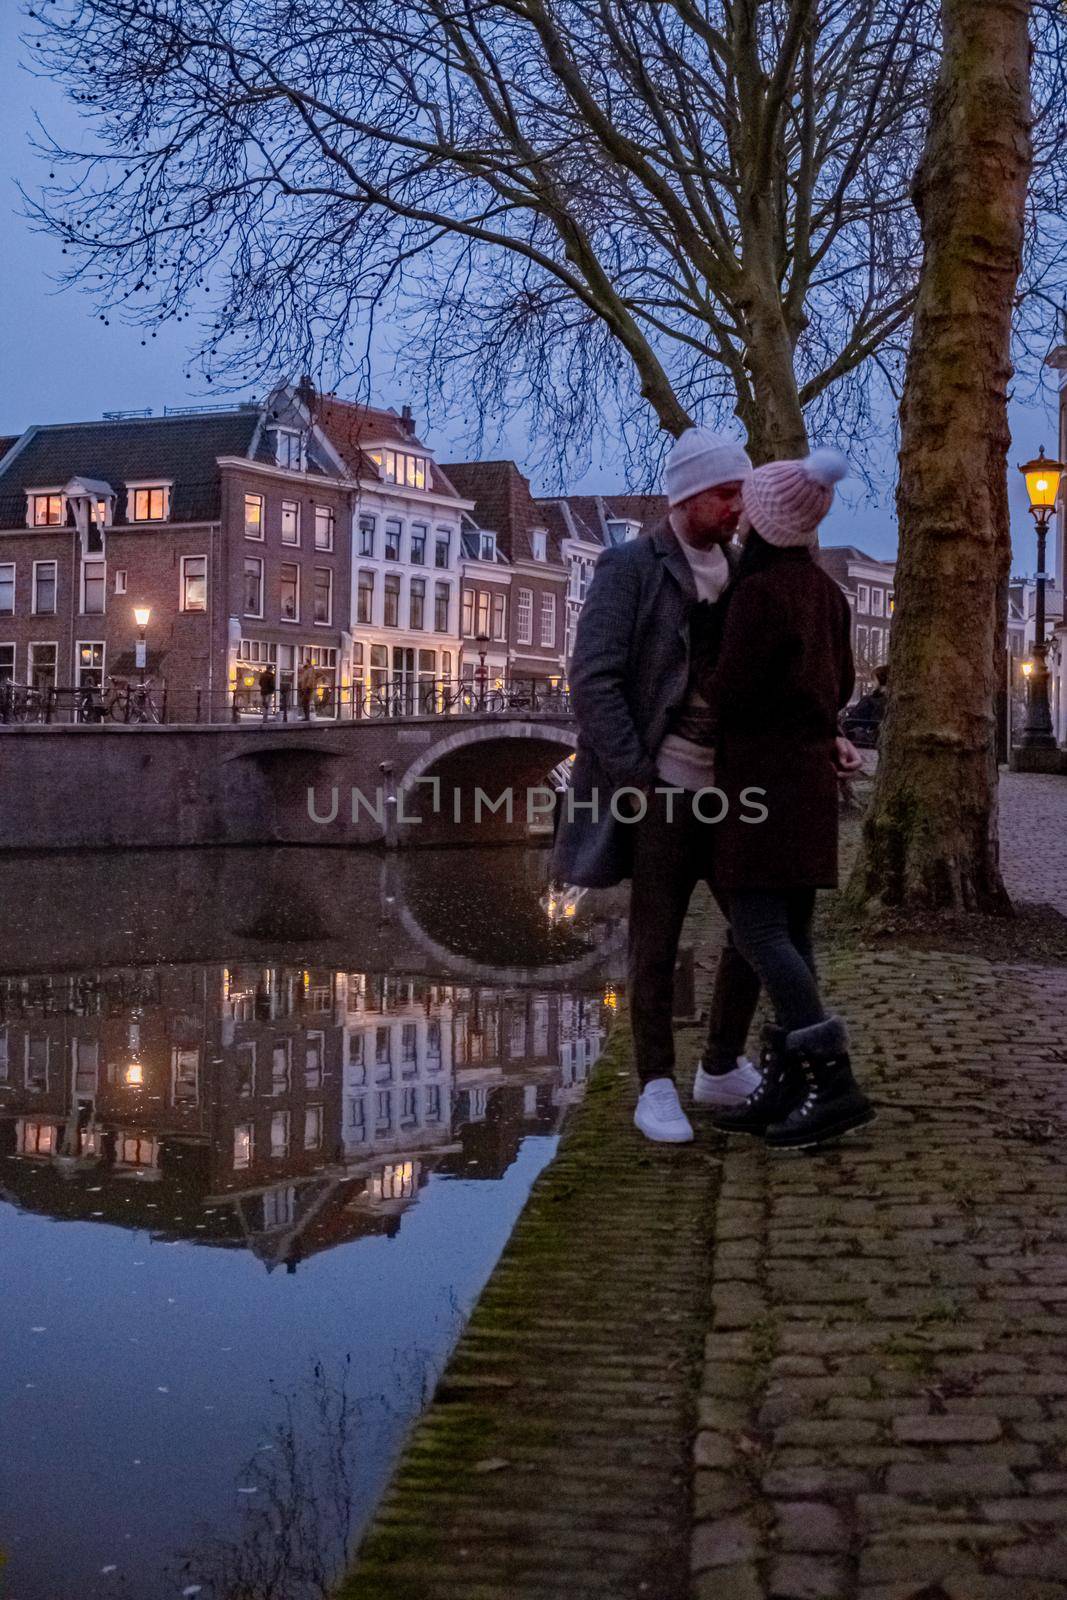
<point>243,1136</point>
<point>357,1072</point>
<point>279,1082</point>
<point>382,1044</point>
<point>313,1061</point>
<point>409,1106</point>
<point>357,1119</point>
<point>395,1182</point>
<point>433,1103</point>
<point>517,1034</point>
<point>37,1063</point>
<point>540,1027</point>
<point>320,997</point>
<point>357,990</point>
<point>86,1061</point>
<point>385,1110</point>
<point>279,1133</point>
<point>185,1075</point>
<point>409,1040</point>
<point>433,1041</point>
<point>312,1127</point>
<point>279,1206</point>
<point>136,1150</point>
<point>36,1138</point>
<point>246,1069</point>
<point>4,1059</point>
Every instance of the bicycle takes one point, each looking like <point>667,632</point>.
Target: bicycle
<point>130,702</point>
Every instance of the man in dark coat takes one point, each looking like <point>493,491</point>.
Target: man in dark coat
<point>643,754</point>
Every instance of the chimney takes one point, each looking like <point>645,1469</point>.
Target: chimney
<point>305,392</point>
<point>407,417</point>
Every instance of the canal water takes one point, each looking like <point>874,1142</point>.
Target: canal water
<point>267,1119</point>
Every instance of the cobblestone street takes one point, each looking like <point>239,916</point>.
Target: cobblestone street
<point>884,1407</point>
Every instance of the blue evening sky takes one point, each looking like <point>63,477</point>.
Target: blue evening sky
<point>62,364</point>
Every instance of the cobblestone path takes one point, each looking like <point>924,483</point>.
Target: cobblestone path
<point>884,1407</point>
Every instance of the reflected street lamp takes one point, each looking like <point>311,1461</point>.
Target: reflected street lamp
<point>482,641</point>
<point>1042,486</point>
<point>141,615</point>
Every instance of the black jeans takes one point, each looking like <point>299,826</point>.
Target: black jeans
<point>670,858</point>
<point>772,930</point>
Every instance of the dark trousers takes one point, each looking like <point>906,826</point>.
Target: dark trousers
<point>669,859</point>
<point>773,932</point>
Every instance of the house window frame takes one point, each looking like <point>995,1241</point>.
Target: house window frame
<point>486,546</point>
<point>393,535</point>
<point>120,580</point>
<point>83,609</point>
<point>285,459</point>
<point>329,518</point>
<point>10,650</point>
<point>417,592</point>
<point>80,666</point>
<point>877,601</point>
<point>42,644</point>
<point>12,567</point>
<point>391,586</point>
<point>148,486</point>
<point>466,626</point>
<point>365,590</point>
<point>442,540</point>
<point>418,541</point>
<point>327,621</point>
<point>52,610</point>
<point>294,567</point>
<point>245,575</point>
<point>33,496</point>
<point>294,507</point>
<point>498,626</point>
<point>549,609</point>
<point>863,598</point>
<point>442,596</point>
<point>524,617</point>
<point>183,595</point>
<point>368,533</point>
<point>255,527</point>
<point>539,544</point>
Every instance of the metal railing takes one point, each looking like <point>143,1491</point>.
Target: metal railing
<point>155,701</point>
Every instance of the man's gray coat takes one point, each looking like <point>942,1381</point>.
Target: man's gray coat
<point>629,673</point>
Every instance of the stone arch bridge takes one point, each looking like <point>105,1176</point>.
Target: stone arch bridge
<point>482,778</point>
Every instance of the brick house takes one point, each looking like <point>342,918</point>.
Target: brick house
<point>530,537</point>
<point>868,586</point>
<point>485,609</point>
<point>231,527</point>
<point>589,524</point>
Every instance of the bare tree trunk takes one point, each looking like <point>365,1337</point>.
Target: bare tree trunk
<point>931,835</point>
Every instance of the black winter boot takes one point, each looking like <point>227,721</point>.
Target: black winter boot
<point>781,1087</point>
<point>831,1103</point>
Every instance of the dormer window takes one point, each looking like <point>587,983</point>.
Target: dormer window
<point>539,544</point>
<point>398,467</point>
<point>487,546</point>
<point>289,449</point>
<point>620,532</point>
<point>148,502</point>
<point>92,502</point>
<point>46,509</point>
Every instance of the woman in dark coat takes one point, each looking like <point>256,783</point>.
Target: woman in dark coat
<point>782,673</point>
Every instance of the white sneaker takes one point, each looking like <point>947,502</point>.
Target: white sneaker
<point>659,1113</point>
<point>729,1089</point>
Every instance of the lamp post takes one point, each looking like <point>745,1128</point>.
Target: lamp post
<point>1042,486</point>
<point>141,615</point>
<point>482,641</point>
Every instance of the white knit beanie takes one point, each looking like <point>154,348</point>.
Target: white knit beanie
<point>786,500</point>
<point>699,460</point>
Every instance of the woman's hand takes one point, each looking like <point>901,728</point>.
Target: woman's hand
<point>847,758</point>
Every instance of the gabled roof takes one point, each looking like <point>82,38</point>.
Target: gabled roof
<point>352,427</point>
<point>470,542</point>
<point>503,502</point>
<point>837,558</point>
<point>592,513</point>
<point>183,450</point>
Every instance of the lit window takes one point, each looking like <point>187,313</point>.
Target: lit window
<point>243,1136</point>
<point>151,505</point>
<point>324,527</point>
<point>399,467</point>
<point>7,588</point>
<point>467,628</point>
<point>36,1138</point>
<point>194,583</point>
<point>253,516</point>
<point>46,510</point>
<point>499,629</point>
<point>290,522</point>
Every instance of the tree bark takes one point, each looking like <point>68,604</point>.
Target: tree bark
<point>930,839</point>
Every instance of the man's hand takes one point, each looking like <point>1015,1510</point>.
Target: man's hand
<point>847,758</point>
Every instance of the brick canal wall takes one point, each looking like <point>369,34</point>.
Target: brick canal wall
<point>83,787</point>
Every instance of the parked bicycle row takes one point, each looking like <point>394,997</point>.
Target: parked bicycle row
<point>149,700</point>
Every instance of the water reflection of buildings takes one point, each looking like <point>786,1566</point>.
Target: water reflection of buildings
<point>274,1108</point>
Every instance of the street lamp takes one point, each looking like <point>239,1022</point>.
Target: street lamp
<point>1042,486</point>
<point>141,615</point>
<point>482,641</point>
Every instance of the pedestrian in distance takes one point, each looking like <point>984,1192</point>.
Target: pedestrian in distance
<point>652,611</point>
<point>305,689</point>
<point>774,689</point>
<point>267,684</point>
